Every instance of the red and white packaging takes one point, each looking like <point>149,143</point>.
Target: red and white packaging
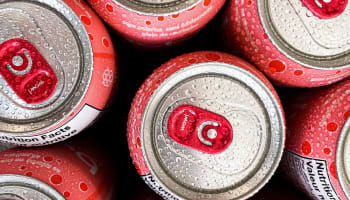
<point>58,69</point>
<point>316,157</point>
<point>192,115</point>
<point>156,24</point>
<point>76,169</point>
<point>298,43</point>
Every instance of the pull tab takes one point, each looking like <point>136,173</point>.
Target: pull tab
<point>326,9</point>
<point>26,71</point>
<point>199,129</point>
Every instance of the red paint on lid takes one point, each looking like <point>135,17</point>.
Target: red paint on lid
<point>326,9</point>
<point>26,71</point>
<point>199,129</point>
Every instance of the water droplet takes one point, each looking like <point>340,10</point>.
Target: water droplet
<point>6,107</point>
<point>188,92</point>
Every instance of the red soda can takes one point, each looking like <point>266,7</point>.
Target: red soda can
<point>297,43</point>
<point>57,69</point>
<point>317,148</point>
<point>154,23</point>
<point>73,170</point>
<point>194,118</point>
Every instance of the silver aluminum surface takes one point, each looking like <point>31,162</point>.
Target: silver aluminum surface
<point>17,187</point>
<point>59,35</point>
<point>258,133</point>
<point>301,36</point>
<point>343,158</point>
<point>157,7</point>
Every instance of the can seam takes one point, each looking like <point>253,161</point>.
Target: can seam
<point>273,168</point>
<point>271,31</point>
<point>35,184</point>
<point>149,9</point>
<point>85,49</point>
<point>343,139</point>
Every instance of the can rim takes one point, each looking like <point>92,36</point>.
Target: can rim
<point>62,111</point>
<point>307,60</point>
<point>157,9</point>
<point>14,180</point>
<point>342,150</point>
<point>276,131</point>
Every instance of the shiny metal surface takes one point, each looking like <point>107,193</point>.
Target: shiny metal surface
<point>301,36</point>
<point>258,133</point>
<point>59,35</point>
<point>158,7</point>
<point>17,187</point>
<point>343,158</point>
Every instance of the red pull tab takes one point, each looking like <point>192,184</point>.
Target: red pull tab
<point>199,129</point>
<point>326,9</point>
<point>26,71</point>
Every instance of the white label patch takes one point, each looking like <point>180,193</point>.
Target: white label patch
<point>152,183</point>
<point>311,175</point>
<point>80,121</point>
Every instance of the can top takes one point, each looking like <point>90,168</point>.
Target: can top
<point>17,187</point>
<point>158,7</point>
<point>343,158</point>
<point>212,131</point>
<point>307,33</point>
<point>45,63</point>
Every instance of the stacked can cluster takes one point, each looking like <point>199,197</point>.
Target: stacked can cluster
<point>206,125</point>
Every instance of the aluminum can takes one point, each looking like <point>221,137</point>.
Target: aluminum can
<point>317,147</point>
<point>71,170</point>
<point>297,43</point>
<point>57,69</point>
<point>192,121</point>
<point>154,23</point>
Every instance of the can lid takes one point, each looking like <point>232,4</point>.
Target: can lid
<point>158,7</point>
<point>46,64</point>
<point>212,131</point>
<point>303,35</point>
<point>18,187</point>
<point>343,158</point>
